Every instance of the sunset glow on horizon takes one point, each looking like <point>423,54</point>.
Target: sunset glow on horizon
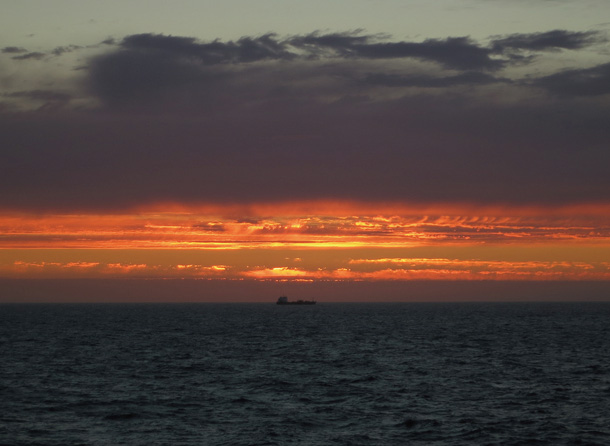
<point>453,140</point>
<point>313,242</point>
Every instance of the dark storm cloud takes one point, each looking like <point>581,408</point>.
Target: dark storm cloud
<point>416,149</point>
<point>593,81</point>
<point>147,68</point>
<point>13,50</point>
<point>548,41</point>
<point>154,67</point>
<point>124,77</point>
<point>183,72</point>
<point>456,52</point>
<point>337,116</point>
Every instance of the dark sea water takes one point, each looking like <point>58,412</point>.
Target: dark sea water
<point>330,374</point>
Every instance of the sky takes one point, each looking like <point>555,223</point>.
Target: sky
<point>300,144</point>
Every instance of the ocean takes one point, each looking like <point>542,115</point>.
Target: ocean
<point>329,374</point>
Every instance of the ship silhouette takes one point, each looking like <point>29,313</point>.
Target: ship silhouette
<point>283,300</point>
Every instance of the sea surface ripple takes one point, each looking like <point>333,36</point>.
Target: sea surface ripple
<point>329,374</point>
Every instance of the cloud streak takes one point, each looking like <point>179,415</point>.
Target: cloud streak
<point>13,50</point>
<point>36,55</point>
<point>409,269</point>
<point>455,52</point>
<point>547,41</point>
<point>307,225</point>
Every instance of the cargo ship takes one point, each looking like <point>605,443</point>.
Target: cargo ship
<point>283,300</point>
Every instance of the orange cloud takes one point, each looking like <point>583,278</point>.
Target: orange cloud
<point>319,236</point>
<point>401,269</point>
<point>346,226</point>
<point>126,268</point>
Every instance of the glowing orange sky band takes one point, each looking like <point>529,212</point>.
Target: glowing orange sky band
<point>318,229</point>
<point>344,225</point>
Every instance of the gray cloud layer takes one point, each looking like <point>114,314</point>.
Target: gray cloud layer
<point>547,41</point>
<point>581,82</point>
<point>13,50</point>
<point>146,65</point>
<point>34,55</point>
<point>339,115</point>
